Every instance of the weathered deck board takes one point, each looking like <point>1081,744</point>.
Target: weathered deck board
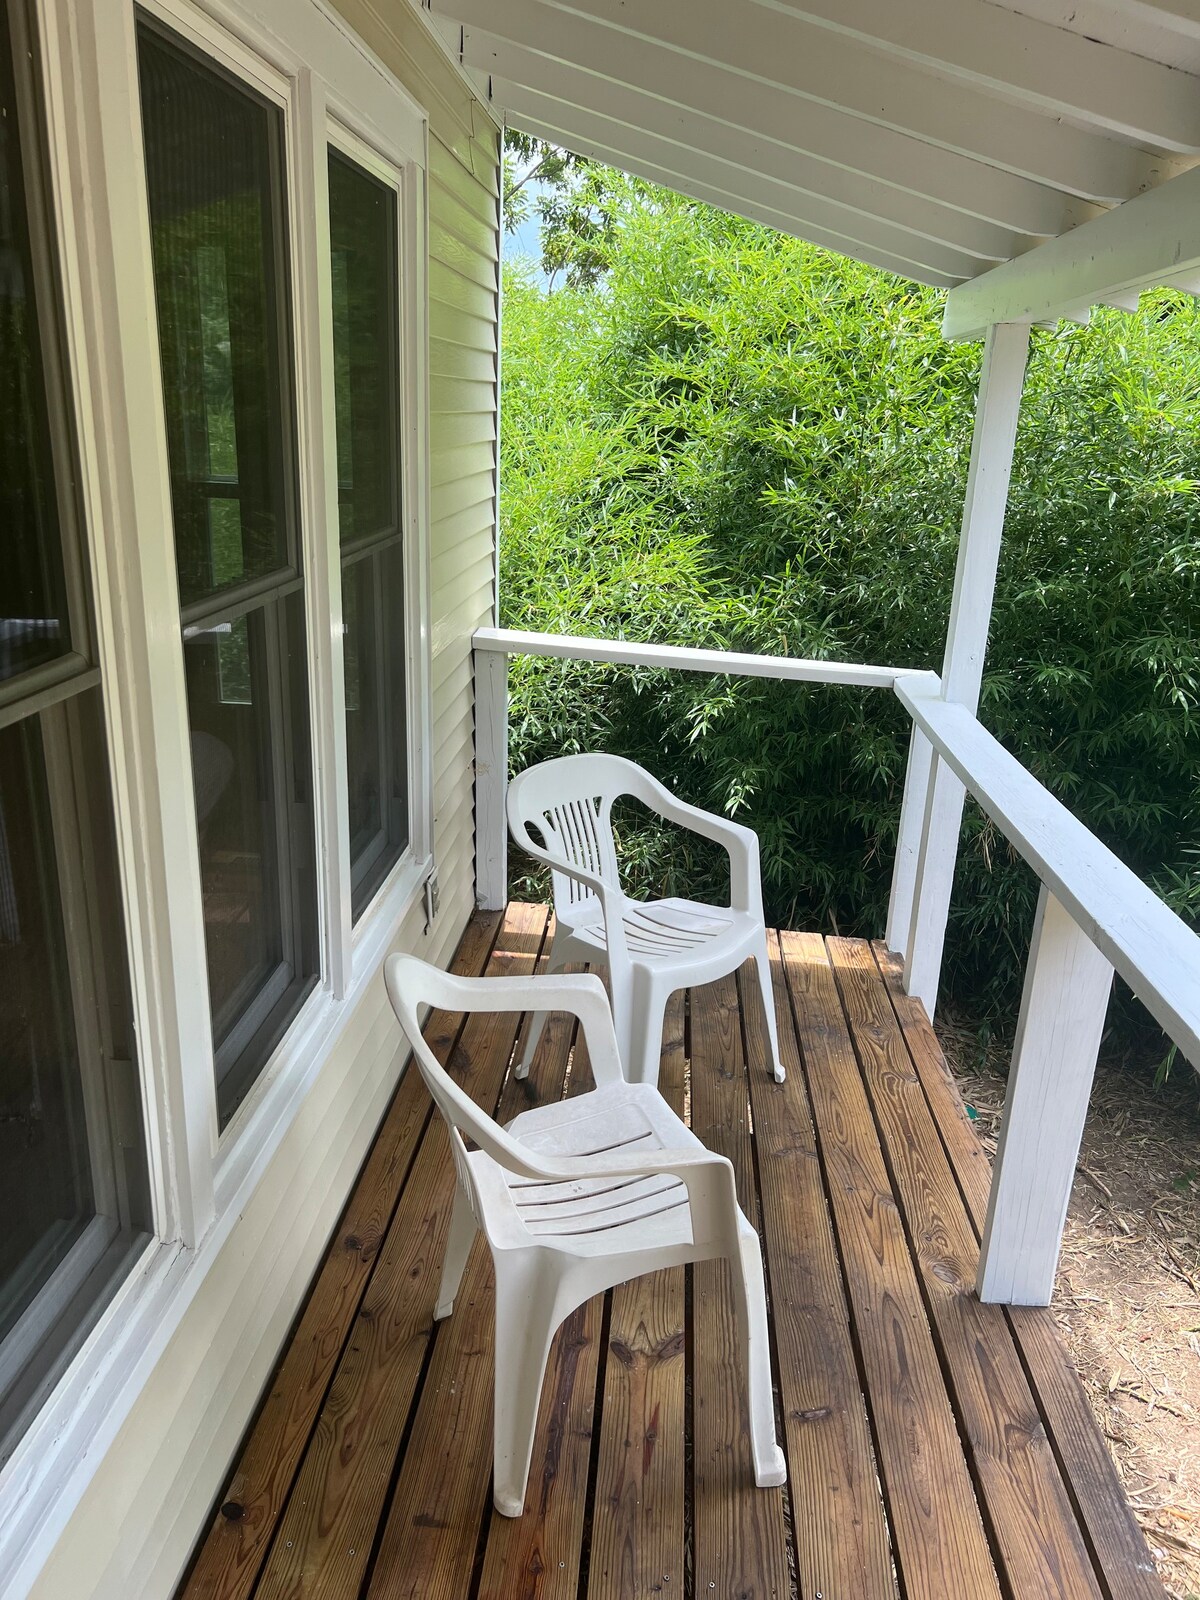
<point>1034,1527</point>
<point>841,1533</point>
<point>638,1518</point>
<point>739,1535</point>
<point>930,1440</point>
<point>1116,1541</point>
<point>941,1546</point>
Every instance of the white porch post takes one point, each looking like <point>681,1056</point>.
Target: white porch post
<point>491,779</point>
<point>1063,1007</point>
<point>929,836</point>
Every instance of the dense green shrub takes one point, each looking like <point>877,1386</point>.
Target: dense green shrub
<point>738,440</point>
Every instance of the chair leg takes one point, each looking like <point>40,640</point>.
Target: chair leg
<point>463,1228</point>
<point>649,1006</point>
<point>762,962</point>
<point>556,960</point>
<point>526,1321</point>
<point>749,1293</point>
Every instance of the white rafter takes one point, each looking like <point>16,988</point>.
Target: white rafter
<point>568,139</point>
<point>735,189</point>
<point>1032,61</point>
<point>724,151</point>
<point>771,46</point>
<point>1151,240</point>
<point>551,40</point>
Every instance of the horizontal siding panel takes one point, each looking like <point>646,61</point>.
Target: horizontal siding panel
<point>461,396</point>
<point>446,247</point>
<point>485,154</point>
<point>448,360</point>
<point>454,683</point>
<point>453,325</point>
<point>450,569</point>
<point>457,742</point>
<point>461,495</point>
<point>448,213</point>
<point>474,611</point>
<point>456,461</point>
<point>448,287</point>
<point>450,429</point>
<point>468,524</point>
<point>447,172</point>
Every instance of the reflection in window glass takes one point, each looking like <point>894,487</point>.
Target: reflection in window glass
<point>363,218</point>
<point>214,164</point>
<point>214,168</point>
<point>74,1188</point>
<point>74,1191</point>
<point>33,614</point>
<point>366,292</point>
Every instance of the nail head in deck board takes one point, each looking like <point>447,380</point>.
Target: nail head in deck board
<point>231,1556</point>
<point>1034,1529</point>
<point>341,1490</point>
<point>1117,1542</point>
<point>941,1548</point>
<point>740,1542</point>
<point>537,1555</point>
<point>637,1517</point>
<point>840,1529</point>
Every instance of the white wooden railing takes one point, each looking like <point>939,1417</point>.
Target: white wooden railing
<point>1093,915</point>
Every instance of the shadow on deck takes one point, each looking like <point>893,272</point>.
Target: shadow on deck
<point>938,1449</point>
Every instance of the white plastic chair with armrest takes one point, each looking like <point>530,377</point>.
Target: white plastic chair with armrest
<point>649,947</point>
<point>573,1198</point>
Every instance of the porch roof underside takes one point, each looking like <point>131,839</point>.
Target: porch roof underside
<point>1019,158</point>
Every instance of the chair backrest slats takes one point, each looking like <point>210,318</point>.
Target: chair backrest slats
<point>569,802</point>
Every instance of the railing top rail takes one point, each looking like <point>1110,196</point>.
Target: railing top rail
<point>620,652</point>
<point>1156,953</point>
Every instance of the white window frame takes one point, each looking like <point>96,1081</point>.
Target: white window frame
<point>303,57</point>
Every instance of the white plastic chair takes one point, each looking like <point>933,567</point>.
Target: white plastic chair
<point>575,1197</point>
<point>649,947</point>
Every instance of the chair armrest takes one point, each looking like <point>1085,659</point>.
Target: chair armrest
<point>739,842</point>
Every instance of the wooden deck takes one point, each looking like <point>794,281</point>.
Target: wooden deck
<point>938,1449</point>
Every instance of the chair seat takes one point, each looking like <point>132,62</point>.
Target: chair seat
<point>593,1216</point>
<point>666,933</point>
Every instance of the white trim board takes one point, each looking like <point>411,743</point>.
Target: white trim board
<point>1156,953</point>
<point>793,669</point>
<point>1150,240</point>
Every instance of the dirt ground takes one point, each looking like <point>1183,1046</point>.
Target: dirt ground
<point>1128,1295</point>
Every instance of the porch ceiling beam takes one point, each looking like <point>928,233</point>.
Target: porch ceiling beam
<point>763,45</point>
<point>578,94</point>
<point>685,184</point>
<point>739,185</point>
<point>1032,61</point>
<point>552,43</point>
<point>1151,240</point>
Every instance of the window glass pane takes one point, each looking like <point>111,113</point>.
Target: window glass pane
<point>229,721</point>
<point>214,167</point>
<point>214,162</point>
<point>376,732</point>
<point>362,223</point>
<point>249,734</point>
<point>33,614</point>
<point>74,1191</point>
